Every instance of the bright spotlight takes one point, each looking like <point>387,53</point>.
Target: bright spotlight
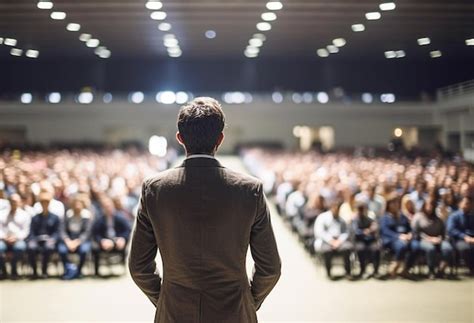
<point>274,5</point>
<point>387,98</point>
<point>58,15</point>
<point>85,98</point>
<point>367,98</point>
<point>54,97</point>
<point>322,97</point>
<point>358,28</point>
<point>73,27</point>
<point>387,6</point>
<point>373,15</point>
<point>269,16</point>
<point>158,15</point>
<point>107,98</point>
<point>166,97</point>
<point>264,26</point>
<point>181,97</point>
<point>210,34</point>
<point>45,5</point>
<point>164,26</point>
<point>136,97</point>
<point>154,5</point>
<point>277,97</point>
<point>398,132</point>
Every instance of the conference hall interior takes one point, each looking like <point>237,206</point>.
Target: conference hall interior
<point>357,116</point>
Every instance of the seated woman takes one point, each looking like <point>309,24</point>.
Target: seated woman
<point>364,232</point>
<point>429,232</point>
<point>396,235</point>
<point>75,237</point>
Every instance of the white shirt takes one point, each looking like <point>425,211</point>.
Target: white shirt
<point>55,207</point>
<point>17,225</point>
<point>200,155</point>
<point>326,227</point>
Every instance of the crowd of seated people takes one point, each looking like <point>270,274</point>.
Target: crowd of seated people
<point>342,204</point>
<point>66,202</point>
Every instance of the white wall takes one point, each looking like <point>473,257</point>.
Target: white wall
<point>355,124</point>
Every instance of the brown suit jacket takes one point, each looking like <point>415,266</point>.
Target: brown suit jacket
<point>202,217</point>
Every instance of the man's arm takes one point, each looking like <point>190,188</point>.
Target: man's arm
<point>264,251</point>
<point>141,262</point>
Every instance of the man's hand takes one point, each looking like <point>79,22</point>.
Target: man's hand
<point>335,243</point>
<point>10,240</point>
<point>120,243</point>
<point>435,240</point>
<point>107,244</point>
<point>469,239</point>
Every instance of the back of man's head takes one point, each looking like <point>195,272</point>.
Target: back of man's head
<point>200,123</point>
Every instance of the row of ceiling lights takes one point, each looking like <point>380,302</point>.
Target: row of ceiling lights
<point>255,43</point>
<point>181,97</point>
<point>169,40</point>
<point>15,51</point>
<point>100,51</point>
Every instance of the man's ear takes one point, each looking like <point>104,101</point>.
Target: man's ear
<point>220,139</point>
<point>179,138</point>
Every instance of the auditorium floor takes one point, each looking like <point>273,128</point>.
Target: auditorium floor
<point>302,294</point>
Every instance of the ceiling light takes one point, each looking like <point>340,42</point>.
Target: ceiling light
<point>435,54</point>
<point>252,50</point>
<point>277,97</point>
<point>322,52</point>
<point>339,42</point>
<point>470,42</point>
<point>274,5</point>
<point>158,15</point>
<point>85,37</point>
<point>10,42</point>
<point>164,26</point>
<point>373,15</point>
<point>105,53</point>
<point>16,51</point>
<point>269,16</point>
<point>154,5</point>
<point>358,27</point>
<point>1,40</point>
<point>32,53</point>
<point>262,37</point>
<point>54,97</point>
<point>255,42</point>
<point>390,54</point>
<point>400,53</point>
<point>367,98</point>
<point>322,97</point>
<point>107,98</point>
<point>387,98</point>
<point>166,97</point>
<point>26,98</point>
<point>172,42</point>
<point>73,27</point>
<point>136,97</point>
<point>58,15</point>
<point>93,42</point>
<point>44,5</point>
<point>423,41</point>
<point>174,50</point>
<point>169,36</point>
<point>264,26</point>
<point>387,6</point>
<point>181,97</point>
<point>85,98</point>
<point>332,49</point>
<point>210,34</point>
<point>250,54</point>
<point>175,54</point>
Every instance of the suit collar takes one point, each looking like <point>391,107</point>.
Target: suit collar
<point>201,161</point>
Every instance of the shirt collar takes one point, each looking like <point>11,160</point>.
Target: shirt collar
<point>200,155</point>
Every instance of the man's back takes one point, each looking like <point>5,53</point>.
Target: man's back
<point>203,216</point>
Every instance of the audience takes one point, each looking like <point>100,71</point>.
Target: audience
<point>66,201</point>
<point>407,200</point>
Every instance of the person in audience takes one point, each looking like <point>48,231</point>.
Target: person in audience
<point>14,228</point>
<point>396,235</point>
<point>110,232</point>
<point>332,238</point>
<point>419,195</point>
<point>55,206</point>
<point>429,234</point>
<point>365,235</point>
<point>376,203</point>
<point>461,231</point>
<point>44,235</point>
<point>445,204</point>
<point>75,237</point>
<point>348,208</point>
<point>408,207</point>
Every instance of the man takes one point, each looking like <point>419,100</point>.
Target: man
<point>332,238</point>
<point>14,228</point>
<point>203,217</point>
<point>44,235</point>
<point>460,227</point>
<point>110,232</point>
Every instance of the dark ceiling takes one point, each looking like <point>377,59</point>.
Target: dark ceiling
<point>127,30</point>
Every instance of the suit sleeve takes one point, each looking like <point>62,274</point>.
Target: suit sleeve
<point>264,251</point>
<point>141,262</point>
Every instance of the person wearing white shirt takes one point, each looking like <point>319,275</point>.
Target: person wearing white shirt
<point>332,238</point>
<point>55,207</point>
<point>14,228</point>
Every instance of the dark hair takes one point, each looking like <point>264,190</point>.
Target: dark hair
<point>200,123</point>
